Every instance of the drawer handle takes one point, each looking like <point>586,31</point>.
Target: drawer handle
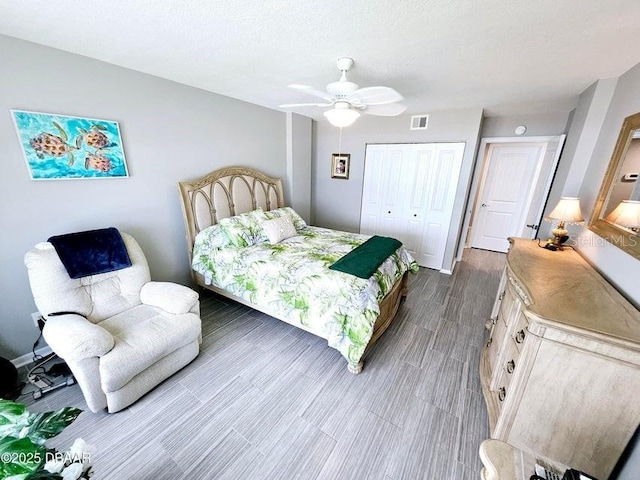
<point>511,366</point>
<point>520,336</point>
<point>501,394</point>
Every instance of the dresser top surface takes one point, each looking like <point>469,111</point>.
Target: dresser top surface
<point>563,288</point>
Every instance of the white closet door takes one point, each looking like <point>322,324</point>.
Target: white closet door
<point>417,171</point>
<point>408,193</point>
<point>382,200</point>
<point>441,180</point>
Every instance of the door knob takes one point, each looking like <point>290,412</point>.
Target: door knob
<point>535,227</point>
<point>484,205</point>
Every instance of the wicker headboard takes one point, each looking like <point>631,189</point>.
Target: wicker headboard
<point>224,193</point>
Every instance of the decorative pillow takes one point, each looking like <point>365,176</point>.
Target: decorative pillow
<point>279,229</point>
<point>213,237</point>
<point>239,231</point>
<point>297,220</point>
<point>245,229</point>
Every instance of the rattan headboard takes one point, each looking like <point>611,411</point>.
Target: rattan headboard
<point>224,193</point>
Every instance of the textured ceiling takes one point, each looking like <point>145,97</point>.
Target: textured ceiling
<point>507,56</point>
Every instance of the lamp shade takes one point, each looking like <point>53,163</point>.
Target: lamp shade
<point>567,210</point>
<point>342,115</point>
<point>626,214</point>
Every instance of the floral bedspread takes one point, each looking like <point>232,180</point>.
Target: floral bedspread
<point>292,279</point>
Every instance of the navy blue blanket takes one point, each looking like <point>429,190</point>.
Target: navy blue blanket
<point>91,252</point>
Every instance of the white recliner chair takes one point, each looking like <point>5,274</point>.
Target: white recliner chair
<point>126,335</point>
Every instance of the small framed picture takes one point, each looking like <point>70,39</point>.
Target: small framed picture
<point>340,165</point>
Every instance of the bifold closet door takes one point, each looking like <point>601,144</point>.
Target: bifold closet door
<point>382,196</point>
<point>408,193</point>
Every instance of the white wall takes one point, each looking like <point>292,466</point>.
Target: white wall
<point>170,133</point>
<point>620,268</point>
<point>587,122</point>
<point>552,123</point>
<point>299,153</point>
<point>337,202</point>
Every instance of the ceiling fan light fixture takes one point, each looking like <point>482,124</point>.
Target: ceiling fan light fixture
<point>348,99</point>
<point>341,117</point>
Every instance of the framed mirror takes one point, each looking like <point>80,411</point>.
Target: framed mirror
<point>616,216</point>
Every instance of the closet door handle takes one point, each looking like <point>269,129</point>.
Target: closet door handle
<point>389,211</point>
<point>484,205</point>
<point>415,214</point>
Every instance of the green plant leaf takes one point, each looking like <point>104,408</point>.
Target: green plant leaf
<point>10,411</point>
<point>20,456</point>
<point>44,475</point>
<point>13,418</point>
<point>43,426</point>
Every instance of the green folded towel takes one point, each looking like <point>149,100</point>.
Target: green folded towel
<point>364,260</point>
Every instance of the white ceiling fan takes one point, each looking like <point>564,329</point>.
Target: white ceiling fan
<point>348,99</point>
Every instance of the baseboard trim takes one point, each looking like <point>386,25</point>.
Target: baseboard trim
<point>446,272</point>
<point>27,358</point>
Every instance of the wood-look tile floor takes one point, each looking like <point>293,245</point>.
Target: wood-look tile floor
<point>265,400</point>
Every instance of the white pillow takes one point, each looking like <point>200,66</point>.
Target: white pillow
<point>279,229</point>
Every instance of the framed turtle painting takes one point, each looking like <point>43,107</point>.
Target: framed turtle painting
<point>58,147</point>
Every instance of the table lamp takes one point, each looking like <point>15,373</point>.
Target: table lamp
<point>567,211</point>
<point>626,214</point>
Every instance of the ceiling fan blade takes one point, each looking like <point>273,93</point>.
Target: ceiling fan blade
<point>387,110</point>
<point>293,105</point>
<point>376,95</point>
<point>311,91</point>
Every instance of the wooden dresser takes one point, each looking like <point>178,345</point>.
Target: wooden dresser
<point>561,370</point>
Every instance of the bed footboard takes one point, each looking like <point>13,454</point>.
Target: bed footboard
<point>388,309</point>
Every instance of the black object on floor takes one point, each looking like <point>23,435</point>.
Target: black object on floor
<point>59,369</point>
<point>9,388</point>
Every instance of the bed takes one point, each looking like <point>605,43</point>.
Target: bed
<point>349,312</point>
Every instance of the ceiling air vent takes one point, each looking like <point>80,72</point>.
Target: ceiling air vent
<point>419,122</point>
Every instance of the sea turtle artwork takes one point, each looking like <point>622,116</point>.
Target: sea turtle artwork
<point>98,162</point>
<point>95,137</point>
<point>53,145</point>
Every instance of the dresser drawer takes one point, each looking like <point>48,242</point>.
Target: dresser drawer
<point>510,362</point>
<point>519,332</point>
<point>500,396</point>
<point>494,348</point>
<point>510,305</point>
<point>505,371</point>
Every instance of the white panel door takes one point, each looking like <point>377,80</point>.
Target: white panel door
<point>506,193</point>
<point>442,181</point>
<point>382,191</point>
<point>408,194</point>
<point>418,169</point>
<point>548,165</point>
